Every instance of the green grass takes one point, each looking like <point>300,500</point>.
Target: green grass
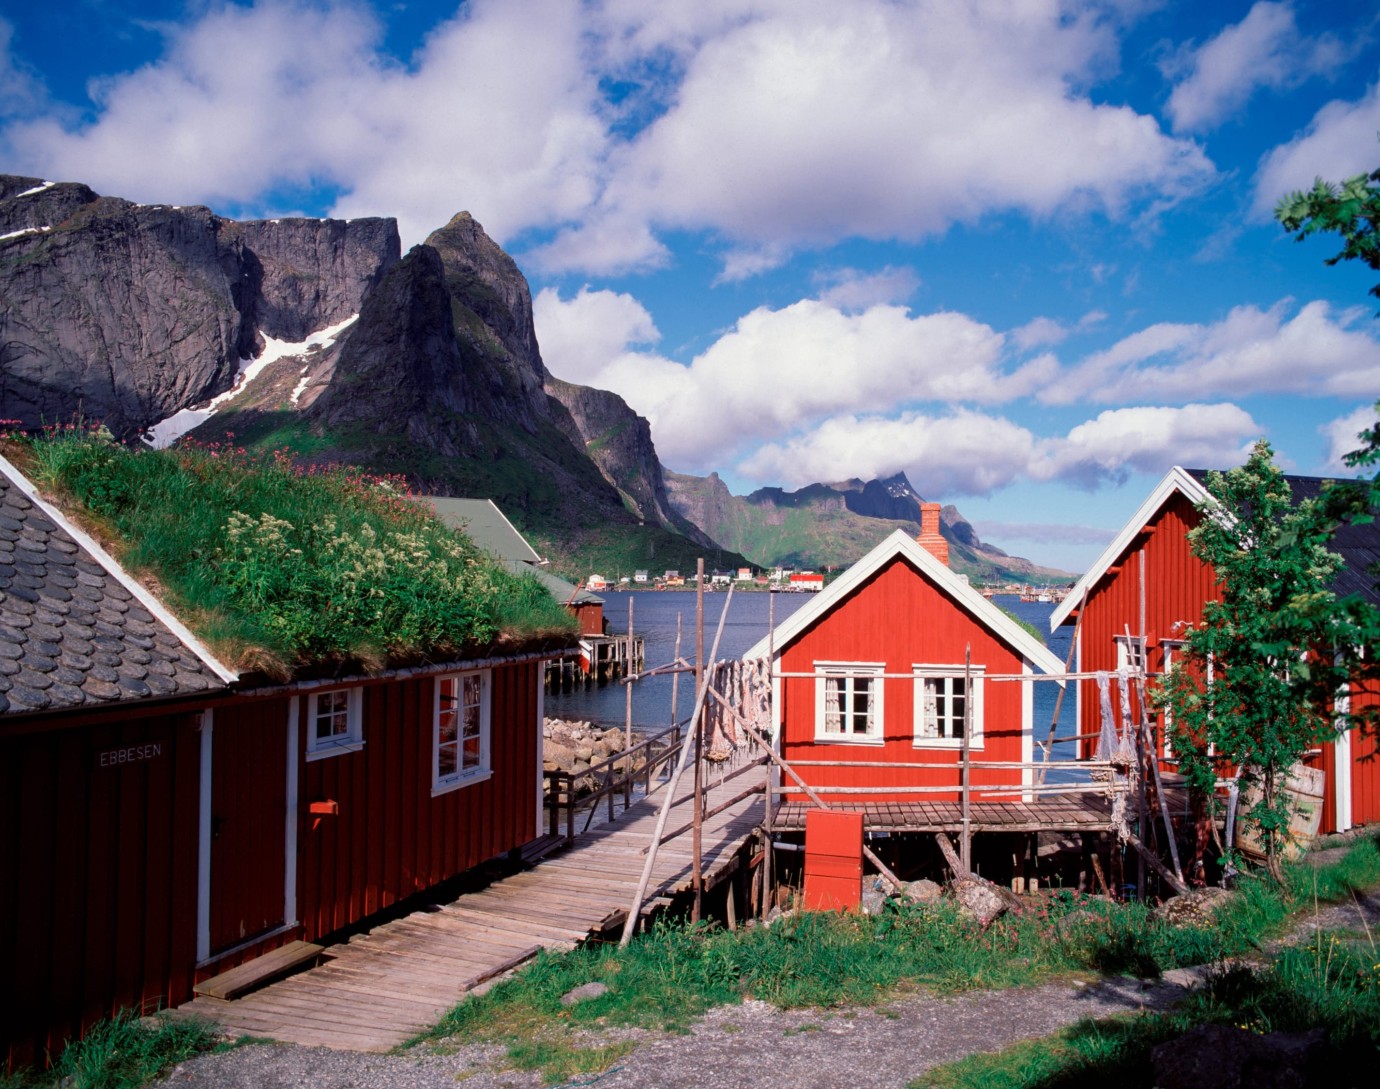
<point>1326,983</point>
<point>278,567</point>
<point>668,978</point>
<point>123,1052</point>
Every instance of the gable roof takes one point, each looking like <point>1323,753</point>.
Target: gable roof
<point>1358,545</point>
<point>75,629</point>
<point>483,523</point>
<point>488,527</point>
<point>1177,481</point>
<point>901,544</point>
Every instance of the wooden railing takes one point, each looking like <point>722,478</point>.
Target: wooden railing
<point>656,752</point>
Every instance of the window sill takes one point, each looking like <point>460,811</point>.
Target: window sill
<point>452,785</point>
<point>838,739</point>
<point>333,748</point>
<point>945,743</point>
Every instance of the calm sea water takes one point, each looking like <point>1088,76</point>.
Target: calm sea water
<point>749,615</point>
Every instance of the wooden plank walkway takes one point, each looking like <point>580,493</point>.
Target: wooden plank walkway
<point>381,988</point>
<point>1067,813</point>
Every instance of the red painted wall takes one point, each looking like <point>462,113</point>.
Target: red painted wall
<point>392,838</point>
<point>1176,584</point>
<point>899,618</point>
<point>1173,589</point>
<point>99,871</point>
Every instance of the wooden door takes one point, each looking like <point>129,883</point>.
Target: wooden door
<point>248,823</point>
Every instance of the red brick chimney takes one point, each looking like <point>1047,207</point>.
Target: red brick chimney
<point>930,538</point>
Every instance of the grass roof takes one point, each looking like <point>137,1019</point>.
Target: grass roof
<point>284,569</point>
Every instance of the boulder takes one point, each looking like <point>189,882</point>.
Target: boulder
<point>981,899</point>
<point>1197,907</point>
<point>1226,1057</point>
<point>584,993</point>
<point>924,891</point>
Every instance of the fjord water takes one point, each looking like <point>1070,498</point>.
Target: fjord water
<point>749,617</point>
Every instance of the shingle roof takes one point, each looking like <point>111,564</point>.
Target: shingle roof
<point>74,630</point>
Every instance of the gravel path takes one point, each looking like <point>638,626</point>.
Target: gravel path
<point>730,1047</point>
<point>754,1044</point>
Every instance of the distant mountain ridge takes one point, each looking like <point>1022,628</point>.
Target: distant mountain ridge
<point>832,525</point>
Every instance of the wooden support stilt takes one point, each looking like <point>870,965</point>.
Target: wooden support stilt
<point>1149,858</point>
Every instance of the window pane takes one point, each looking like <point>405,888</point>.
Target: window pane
<point>446,727</point>
<point>472,690</point>
<point>472,752</point>
<point>446,760</point>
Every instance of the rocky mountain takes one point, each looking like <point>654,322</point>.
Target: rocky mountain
<point>130,313</point>
<point>830,525</point>
<point>126,312</point>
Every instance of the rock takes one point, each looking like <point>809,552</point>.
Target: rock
<point>1197,907</point>
<point>924,891</point>
<point>129,312</point>
<point>584,993</point>
<point>584,754</point>
<point>873,900</point>
<point>1225,1057</point>
<point>983,900</point>
<point>562,757</point>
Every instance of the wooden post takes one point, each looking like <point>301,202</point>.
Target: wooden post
<point>630,923</point>
<point>1149,739</point>
<point>675,677</point>
<point>868,853</point>
<point>1059,700</point>
<point>966,843</point>
<point>697,830</point>
<point>627,725</point>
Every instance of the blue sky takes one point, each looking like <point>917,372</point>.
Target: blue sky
<point>1019,249</point>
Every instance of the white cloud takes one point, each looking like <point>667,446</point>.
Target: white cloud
<point>289,94</point>
<point>779,370</point>
<point>1343,436</point>
<point>970,453</point>
<point>21,92</point>
<point>858,289</point>
<point>966,453</point>
<point>1265,49</point>
<point>1147,439</point>
<point>1339,143</point>
<point>770,124</point>
<point>579,338</point>
<point>1316,352</point>
<point>808,122</point>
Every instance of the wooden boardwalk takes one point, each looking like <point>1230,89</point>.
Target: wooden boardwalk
<point>385,986</point>
<point>1067,813</point>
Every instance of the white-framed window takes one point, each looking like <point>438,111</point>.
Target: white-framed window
<point>1130,653</point>
<point>335,722</point>
<point>460,731</point>
<point>947,697</point>
<point>848,701</point>
<point>1170,648</point>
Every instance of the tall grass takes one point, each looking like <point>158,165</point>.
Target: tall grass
<point>279,566</point>
<point>124,1052</point>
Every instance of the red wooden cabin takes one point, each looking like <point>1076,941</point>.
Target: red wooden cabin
<point>162,820</point>
<point>1147,587</point>
<point>872,673</point>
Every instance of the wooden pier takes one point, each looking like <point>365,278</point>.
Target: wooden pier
<point>599,659</point>
<point>384,987</point>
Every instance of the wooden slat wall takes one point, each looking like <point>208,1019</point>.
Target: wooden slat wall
<point>98,901</point>
<point>900,618</point>
<point>1365,761</point>
<point>1176,585</point>
<point>392,838</point>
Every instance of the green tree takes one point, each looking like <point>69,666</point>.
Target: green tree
<point>1235,694</point>
<point>1351,210</point>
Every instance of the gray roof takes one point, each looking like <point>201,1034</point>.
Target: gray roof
<point>1358,545</point>
<point>483,523</point>
<point>75,630</point>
